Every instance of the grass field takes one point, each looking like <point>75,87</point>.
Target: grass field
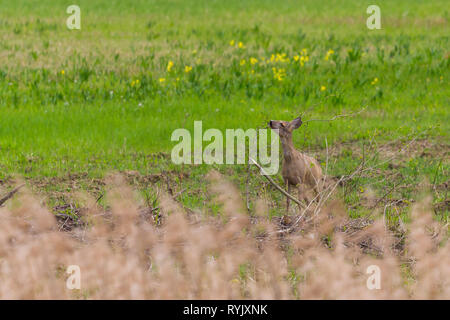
<point>76,104</point>
<point>86,118</point>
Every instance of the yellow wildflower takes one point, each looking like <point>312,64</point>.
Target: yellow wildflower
<point>187,69</point>
<point>323,88</point>
<point>375,80</point>
<point>296,58</point>
<point>169,66</point>
<point>281,57</point>
<point>279,74</point>
<point>62,72</point>
<point>242,62</point>
<point>241,45</point>
<point>253,60</point>
<point>232,43</point>
<point>162,80</point>
<point>303,59</point>
<point>329,54</point>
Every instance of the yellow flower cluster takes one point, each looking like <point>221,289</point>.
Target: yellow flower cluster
<point>279,58</point>
<point>302,58</point>
<point>135,82</point>
<point>169,66</point>
<point>187,69</point>
<point>240,44</point>
<point>329,54</point>
<point>279,74</point>
<point>374,81</point>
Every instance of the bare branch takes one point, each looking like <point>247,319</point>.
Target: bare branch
<point>276,185</point>
<point>338,116</point>
<point>9,195</point>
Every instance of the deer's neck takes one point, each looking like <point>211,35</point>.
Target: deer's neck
<point>288,149</point>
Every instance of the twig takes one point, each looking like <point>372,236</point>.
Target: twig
<point>100,197</point>
<point>316,104</point>
<point>392,157</point>
<point>246,187</point>
<point>175,196</point>
<point>9,195</point>
<point>263,172</point>
<point>383,197</point>
<point>179,193</point>
<point>338,116</point>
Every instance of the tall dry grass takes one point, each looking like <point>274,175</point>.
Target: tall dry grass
<point>122,254</point>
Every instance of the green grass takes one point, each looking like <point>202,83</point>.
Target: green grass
<point>70,102</point>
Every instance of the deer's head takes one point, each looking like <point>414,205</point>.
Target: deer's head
<point>285,128</point>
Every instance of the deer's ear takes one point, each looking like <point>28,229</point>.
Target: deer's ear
<point>274,124</point>
<point>296,123</point>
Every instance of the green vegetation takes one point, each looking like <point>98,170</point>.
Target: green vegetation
<point>75,104</point>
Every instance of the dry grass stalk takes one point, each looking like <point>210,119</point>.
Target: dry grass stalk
<point>122,256</point>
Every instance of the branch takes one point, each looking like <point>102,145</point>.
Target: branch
<point>9,195</point>
<point>276,185</point>
<point>338,116</point>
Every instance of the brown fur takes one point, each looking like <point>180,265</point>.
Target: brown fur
<point>298,169</point>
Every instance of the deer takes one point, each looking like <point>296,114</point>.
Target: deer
<point>298,169</point>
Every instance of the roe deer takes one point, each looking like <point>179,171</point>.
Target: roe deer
<point>298,168</point>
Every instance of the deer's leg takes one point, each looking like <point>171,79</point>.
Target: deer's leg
<point>301,193</point>
<point>299,196</point>
<point>319,186</point>
<point>316,189</point>
<point>316,192</point>
<point>287,198</point>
